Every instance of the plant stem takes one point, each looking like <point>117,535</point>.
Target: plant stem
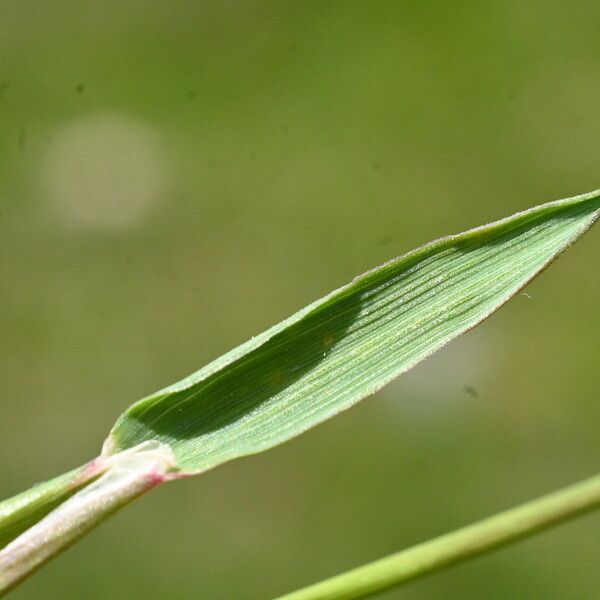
<point>457,546</point>
<point>25,509</point>
<point>128,476</point>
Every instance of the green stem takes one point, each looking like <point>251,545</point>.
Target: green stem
<point>457,546</point>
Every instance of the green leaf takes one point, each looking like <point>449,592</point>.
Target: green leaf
<point>347,345</point>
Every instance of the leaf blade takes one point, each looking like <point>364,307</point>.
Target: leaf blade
<point>353,341</point>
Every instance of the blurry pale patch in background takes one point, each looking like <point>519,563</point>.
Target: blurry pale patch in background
<point>104,171</point>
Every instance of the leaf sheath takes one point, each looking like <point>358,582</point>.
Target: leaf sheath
<point>129,476</point>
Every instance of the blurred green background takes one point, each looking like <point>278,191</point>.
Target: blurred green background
<point>175,177</point>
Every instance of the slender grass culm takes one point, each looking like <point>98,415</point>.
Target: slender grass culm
<point>320,361</point>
